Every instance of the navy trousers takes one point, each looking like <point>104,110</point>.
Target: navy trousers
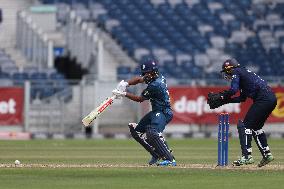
<point>263,105</point>
<point>156,119</point>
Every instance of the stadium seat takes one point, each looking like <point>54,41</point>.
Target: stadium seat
<point>20,78</point>
<point>38,76</point>
<point>4,75</point>
<point>55,76</point>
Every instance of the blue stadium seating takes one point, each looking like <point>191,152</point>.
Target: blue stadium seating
<point>4,75</point>
<point>20,78</point>
<point>176,29</point>
<point>43,83</point>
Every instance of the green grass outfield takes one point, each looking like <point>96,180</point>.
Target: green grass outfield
<point>123,164</point>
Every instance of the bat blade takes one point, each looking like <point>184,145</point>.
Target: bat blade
<point>97,111</point>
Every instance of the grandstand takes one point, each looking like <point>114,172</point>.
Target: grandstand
<point>192,36</point>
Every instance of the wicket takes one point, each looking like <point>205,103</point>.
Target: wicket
<point>223,139</point>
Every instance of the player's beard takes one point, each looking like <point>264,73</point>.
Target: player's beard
<point>148,78</point>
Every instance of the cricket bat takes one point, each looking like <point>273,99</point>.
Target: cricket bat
<point>98,111</point>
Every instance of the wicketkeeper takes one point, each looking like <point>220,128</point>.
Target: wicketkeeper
<point>251,86</point>
<point>153,123</point>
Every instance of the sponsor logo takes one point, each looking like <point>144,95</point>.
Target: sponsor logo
<point>199,106</point>
<point>279,109</point>
<point>8,107</point>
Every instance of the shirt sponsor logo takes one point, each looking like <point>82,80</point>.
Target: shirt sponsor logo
<point>146,93</point>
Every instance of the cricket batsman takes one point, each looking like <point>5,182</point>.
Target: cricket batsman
<point>154,122</point>
<point>251,86</point>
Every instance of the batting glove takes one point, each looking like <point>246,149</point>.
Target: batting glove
<point>118,93</point>
<point>122,86</point>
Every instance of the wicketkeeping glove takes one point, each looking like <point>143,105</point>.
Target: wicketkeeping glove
<point>215,100</point>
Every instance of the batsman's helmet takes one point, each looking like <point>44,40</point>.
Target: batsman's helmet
<point>149,66</point>
<point>229,65</point>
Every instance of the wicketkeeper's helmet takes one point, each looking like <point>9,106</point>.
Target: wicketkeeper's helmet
<point>229,65</point>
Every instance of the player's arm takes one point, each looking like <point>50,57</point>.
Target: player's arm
<point>145,95</point>
<point>134,97</point>
<point>238,99</point>
<point>122,85</point>
<point>135,80</point>
<point>216,100</point>
<point>128,95</point>
<point>235,83</point>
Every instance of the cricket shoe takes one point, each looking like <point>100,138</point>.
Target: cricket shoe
<point>269,158</point>
<point>153,160</point>
<point>244,161</point>
<point>167,163</point>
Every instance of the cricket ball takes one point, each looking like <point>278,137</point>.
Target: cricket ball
<point>17,162</point>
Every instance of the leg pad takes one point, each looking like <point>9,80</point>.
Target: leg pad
<point>140,139</point>
<point>245,136</point>
<point>158,144</point>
